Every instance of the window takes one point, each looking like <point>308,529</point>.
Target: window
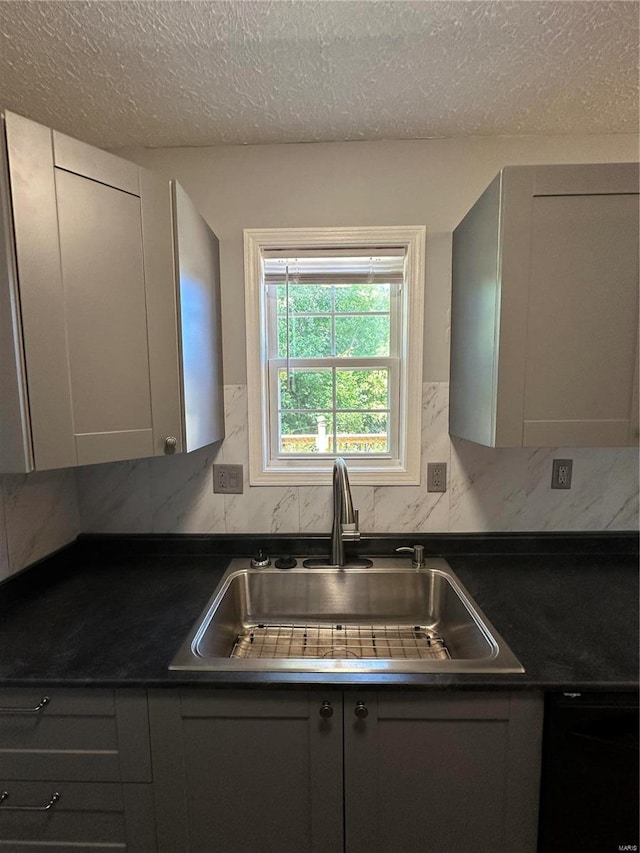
<point>334,352</point>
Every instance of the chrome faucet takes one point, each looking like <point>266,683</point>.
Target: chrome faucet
<point>345,517</point>
<point>345,525</point>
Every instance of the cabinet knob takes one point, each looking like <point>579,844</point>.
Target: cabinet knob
<point>361,710</point>
<point>326,710</point>
<point>170,444</point>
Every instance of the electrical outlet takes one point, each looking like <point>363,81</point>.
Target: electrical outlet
<point>436,476</point>
<point>227,479</point>
<point>561,473</point>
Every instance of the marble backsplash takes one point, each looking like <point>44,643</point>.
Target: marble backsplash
<point>488,490</point>
<point>38,514</point>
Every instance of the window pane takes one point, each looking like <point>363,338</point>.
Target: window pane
<point>359,337</point>
<point>362,432</point>
<point>362,389</point>
<point>306,389</point>
<point>309,337</point>
<point>362,297</point>
<point>305,299</point>
<point>306,432</point>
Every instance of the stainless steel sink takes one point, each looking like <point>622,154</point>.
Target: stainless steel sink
<point>387,618</point>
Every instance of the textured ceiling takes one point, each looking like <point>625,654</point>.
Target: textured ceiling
<point>255,71</point>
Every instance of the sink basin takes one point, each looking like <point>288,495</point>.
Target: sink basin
<point>387,618</point>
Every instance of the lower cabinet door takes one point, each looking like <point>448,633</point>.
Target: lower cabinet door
<point>243,771</point>
<point>441,773</point>
<point>41,817</point>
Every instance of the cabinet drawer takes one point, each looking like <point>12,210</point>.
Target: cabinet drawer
<point>60,815</point>
<point>82,735</point>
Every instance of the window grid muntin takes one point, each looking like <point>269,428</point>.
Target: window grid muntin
<point>274,316</point>
<point>392,365</point>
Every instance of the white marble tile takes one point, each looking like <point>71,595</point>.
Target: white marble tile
<point>182,497</point>
<point>4,547</point>
<point>235,447</point>
<point>265,509</point>
<point>115,497</point>
<point>315,508</point>
<point>436,447</point>
<point>490,489</point>
<point>621,506</point>
<point>260,509</point>
<point>41,514</point>
<point>406,509</point>
<point>510,490</point>
<point>363,501</point>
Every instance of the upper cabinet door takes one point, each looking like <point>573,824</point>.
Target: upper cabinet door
<point>198,279</point>
<point>78,244</point>
<point>94,270</point>
<point>185,330</point>
<point>544,343</point>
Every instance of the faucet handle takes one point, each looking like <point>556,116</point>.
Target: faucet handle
<point>350,531</point>
<point>417,554</point>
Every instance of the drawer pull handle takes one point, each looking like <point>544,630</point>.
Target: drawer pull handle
<point>44,701</point>
<point>3,796</point>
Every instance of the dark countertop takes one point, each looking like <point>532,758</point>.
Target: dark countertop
<point>113,611</point>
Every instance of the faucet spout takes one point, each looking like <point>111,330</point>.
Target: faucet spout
<point>345,525</point>
<point>345,517</point>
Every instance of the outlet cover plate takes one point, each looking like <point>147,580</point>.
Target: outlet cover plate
<point>561,472</point>
<point>436,476</point>
<point>227,479</point>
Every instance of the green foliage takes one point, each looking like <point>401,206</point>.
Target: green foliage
<point>309,394</point>
<point>336,321</point>
<point>355,336</point>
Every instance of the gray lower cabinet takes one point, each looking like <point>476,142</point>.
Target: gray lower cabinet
<point>442,773</point>
<point>245,771</point>
<point>75,771</point>
<point>289,772</point>
<point>544,312</point>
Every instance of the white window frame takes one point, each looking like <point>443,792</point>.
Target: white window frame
<point>401,468</point>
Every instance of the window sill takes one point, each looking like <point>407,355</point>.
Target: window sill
<point>322,475</point>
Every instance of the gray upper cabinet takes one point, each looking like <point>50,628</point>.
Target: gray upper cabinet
<point>544,321</point>
<point>94,305</point>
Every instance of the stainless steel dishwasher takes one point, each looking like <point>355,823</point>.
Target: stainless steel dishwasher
<point>589,794</point>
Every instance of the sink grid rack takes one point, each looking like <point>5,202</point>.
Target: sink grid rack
<point>339,641</point>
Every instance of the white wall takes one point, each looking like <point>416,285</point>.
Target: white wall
<point>429,182</point>
<point>363,183</point>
